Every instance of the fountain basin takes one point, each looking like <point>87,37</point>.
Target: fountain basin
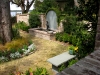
<point>42,33</point>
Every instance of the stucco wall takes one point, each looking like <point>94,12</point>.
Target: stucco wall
<point>43,21</point>
<point>23,17</point>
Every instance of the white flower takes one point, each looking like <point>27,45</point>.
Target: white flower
<point>26,52</point>
<point>17,54</point>
<point>12,55</point>
<point>23,49</point>
<point>31,47</point>
<point>3,58</point>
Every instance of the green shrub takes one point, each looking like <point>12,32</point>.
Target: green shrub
<point>74,40</point>
<point>25,28</point>
<point>45,5</point>
<point>71,62</point>
<point>34,20</point>
<point>62,37</point>
<point>40,71</point>
<point>22,25</point>
<point>65,37</point>
<point>86,44</point>
<point>81,38</point>
<point>15,33</point>
<point>62,67</point>
<point>70,39</point>
<point>70,24</point>
<point>57,35</point>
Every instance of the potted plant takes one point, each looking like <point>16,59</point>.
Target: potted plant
<point>73,50</point>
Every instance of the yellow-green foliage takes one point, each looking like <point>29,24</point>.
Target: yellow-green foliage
<point>2,47</point>
<point>16,44</point>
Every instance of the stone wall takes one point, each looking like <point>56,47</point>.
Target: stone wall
<point>97,41</point>
<point>60,27</point>
<point>43,21</point>
<point>44,26</point>
<point>23,17</point>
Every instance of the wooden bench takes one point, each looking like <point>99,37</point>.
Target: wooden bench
<point>58,60</point>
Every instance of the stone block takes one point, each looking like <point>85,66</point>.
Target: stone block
<point>60,59</point>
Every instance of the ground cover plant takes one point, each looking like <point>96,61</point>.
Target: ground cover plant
<point>16,49</point>
<point>38,71</point>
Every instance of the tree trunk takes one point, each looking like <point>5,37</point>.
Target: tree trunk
<point>24,10</point>
<point>5,21</point>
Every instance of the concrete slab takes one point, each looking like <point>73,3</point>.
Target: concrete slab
<point>60,59</point>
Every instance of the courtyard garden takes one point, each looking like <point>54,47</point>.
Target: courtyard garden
<point>25,54</point>
<point>44,50</point>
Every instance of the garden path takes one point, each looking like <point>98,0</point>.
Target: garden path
<point>45,50</point>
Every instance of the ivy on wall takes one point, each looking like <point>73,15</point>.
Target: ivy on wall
<point>46,6</point>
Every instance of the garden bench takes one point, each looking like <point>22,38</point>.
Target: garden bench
<point>59,60</point>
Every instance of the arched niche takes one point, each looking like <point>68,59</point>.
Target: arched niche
<point>51,19</point>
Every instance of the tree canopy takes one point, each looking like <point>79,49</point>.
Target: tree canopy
<point>23,4</point>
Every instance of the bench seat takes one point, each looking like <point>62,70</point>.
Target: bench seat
<point>60,59</point>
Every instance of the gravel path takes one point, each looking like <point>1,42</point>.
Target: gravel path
<point>45,50</point>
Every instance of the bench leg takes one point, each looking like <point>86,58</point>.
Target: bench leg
<point>55,69</point>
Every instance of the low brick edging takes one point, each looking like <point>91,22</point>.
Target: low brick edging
<point>90,65</point>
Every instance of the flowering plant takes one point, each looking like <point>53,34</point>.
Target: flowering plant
<point>17,54</point>
<point>73,50</point>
